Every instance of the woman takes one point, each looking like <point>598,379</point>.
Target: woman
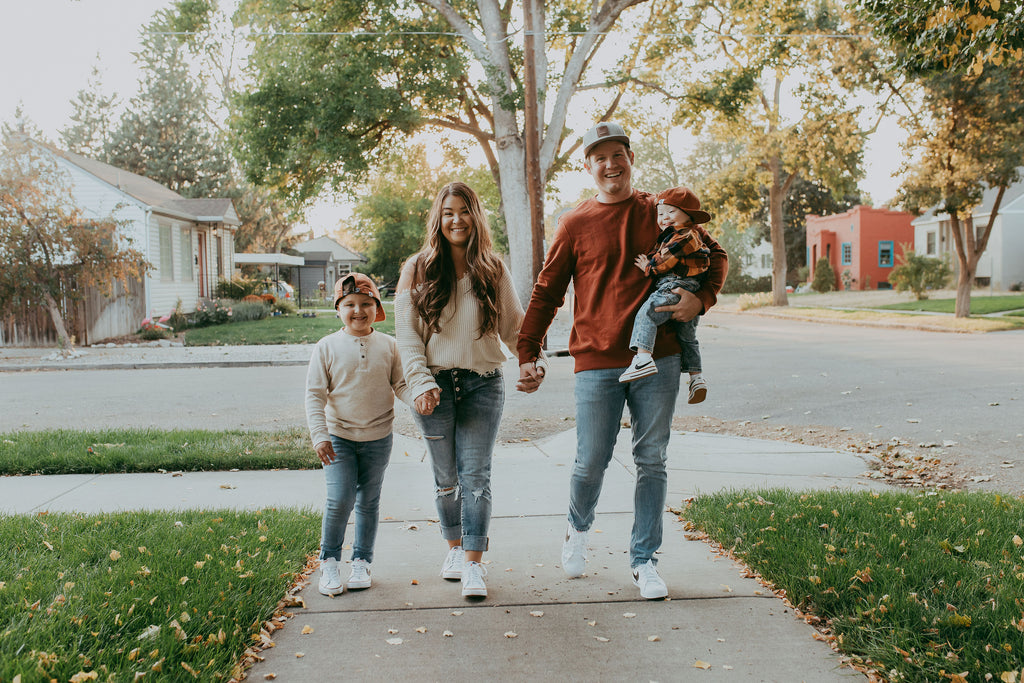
<point>455,302</point>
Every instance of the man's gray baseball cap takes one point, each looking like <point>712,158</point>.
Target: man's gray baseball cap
<point>603,132</point>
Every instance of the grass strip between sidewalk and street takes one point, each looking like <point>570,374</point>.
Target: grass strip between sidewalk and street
<point>918,586</point>
<point>941,323</point>
<point>980,305</point>
<point>284,329</point>
<point>152,450</point>
<point>168,595</point>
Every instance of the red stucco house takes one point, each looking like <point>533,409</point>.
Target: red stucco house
<point>864,242</point>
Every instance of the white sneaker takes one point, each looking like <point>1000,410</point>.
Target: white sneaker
<point>330,577</point>
<point>454,563</point>
<point>698,389</point>
<point>574,552</point>
<point>360,576</point>
<point>473,580</point>
<point>647,580</point>
<point>642,366</point>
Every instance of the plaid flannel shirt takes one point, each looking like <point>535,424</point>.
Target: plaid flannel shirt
<point>679,252</point>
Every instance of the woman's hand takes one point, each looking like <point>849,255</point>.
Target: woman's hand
<point>325,452</point>
<point>427,401</point>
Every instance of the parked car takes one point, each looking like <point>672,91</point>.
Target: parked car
<point>282,290</point>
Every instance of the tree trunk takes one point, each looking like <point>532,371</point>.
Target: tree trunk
<point>776,193</point>
<point>963,291</point>
<point>515,201</point>
<point>58,322</point>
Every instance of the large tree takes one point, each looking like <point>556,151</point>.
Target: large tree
<point>763,74</point>
<point>52,252</point>
<point>339,81</point>
<point>970,135</point>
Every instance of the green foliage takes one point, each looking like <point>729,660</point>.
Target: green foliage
<point>238,288</point>
<point>50,250</point>
<point>93,114</point>
<point>916,584</point>
<point>918,274</point>
<point>981,305</point>
<point>824,276</point>
<point>741,283</point>
<point>215,312</point>
<point>103,597</point>
<point>244,311</point>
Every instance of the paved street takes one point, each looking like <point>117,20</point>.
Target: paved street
<point>919,386</point>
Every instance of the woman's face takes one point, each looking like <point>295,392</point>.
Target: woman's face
<point>456,221</point>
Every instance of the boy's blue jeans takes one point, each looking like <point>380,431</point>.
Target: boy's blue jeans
<point>600,398</point>
<point>459,436</point>
<point>353,480</point>
<point>645,325</point>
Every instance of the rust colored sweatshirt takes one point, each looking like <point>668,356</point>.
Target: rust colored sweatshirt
<point>594,248</point>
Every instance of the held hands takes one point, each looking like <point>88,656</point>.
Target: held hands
<point>641,262</point>
<point>325,452</point>
<point>688,308</point>
<point>427,401</point>
<point>530,377</point>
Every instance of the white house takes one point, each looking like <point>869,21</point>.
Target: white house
<point>326,260</point>
<point>189,243</point>
<point>1002,263</point>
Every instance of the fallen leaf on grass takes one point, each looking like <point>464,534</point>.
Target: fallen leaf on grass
<point>1008,677</point>
<point>115,556</point>
<point>1017,540</point>
<point>82,676</point>
<point>701,665</point>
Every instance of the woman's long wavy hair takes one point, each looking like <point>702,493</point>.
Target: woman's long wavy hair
<point>434,280</point>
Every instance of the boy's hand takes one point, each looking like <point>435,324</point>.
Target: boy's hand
<point>641,262</point>
<point>530,377</point>
<point>427,401</point>
<point>325,452</point>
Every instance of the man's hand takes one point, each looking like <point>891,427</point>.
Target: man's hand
<point>688,308</point>
<point>427,401</point>
<point>530,377</point>
<point>325,452</point>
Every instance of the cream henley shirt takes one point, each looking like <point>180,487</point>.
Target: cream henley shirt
<point>351,386</point>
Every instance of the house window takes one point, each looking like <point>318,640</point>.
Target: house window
<point>186,254</point>
<point>885,254</point>
<point>219,241</point>
<point>930,243</point>
<point>166,253</point>
<point>766,260</point>
<point>847,254</point>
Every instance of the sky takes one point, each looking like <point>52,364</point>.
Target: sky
<point>48,49</point>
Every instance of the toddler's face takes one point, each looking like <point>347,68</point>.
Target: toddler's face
<point>358,311</point>
<point>673,217</point>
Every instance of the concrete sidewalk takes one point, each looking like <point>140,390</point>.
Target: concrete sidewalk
<point>535,624</point>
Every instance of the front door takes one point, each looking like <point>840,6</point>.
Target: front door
<point>202,264</point>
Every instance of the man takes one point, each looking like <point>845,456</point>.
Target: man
<point>594,247</point>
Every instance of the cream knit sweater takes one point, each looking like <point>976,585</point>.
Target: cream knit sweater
<point>458,344</point>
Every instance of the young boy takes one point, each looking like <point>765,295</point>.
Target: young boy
<point>353,378</point>
<point>679,259</point>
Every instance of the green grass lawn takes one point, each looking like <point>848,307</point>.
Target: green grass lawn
<point>916,585</point>
<point>171,596</point>
<point>152,450</point>
<point>980,305</point>
<point>284,329</point>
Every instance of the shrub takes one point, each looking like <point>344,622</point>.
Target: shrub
<point>178,321</point>
<point>740,283</point>
<point>152,329</point>
<point>237,288</point>
<point>252,298</point>
<point>268,298</point>
<point>285,307</point>
<point>758,300</point>
<point>824,276</point>
<point>249,310</point>
<point>216,312</point>
<point>919,274</point>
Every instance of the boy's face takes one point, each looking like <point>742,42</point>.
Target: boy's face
<point>673,217</point>
<point>357,312</point>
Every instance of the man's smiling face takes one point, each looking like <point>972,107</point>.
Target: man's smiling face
<point>611,165</point>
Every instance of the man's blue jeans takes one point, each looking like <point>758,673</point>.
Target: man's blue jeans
<point>460,436</point>
<point>353,480</point>
<point>600,398</point>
